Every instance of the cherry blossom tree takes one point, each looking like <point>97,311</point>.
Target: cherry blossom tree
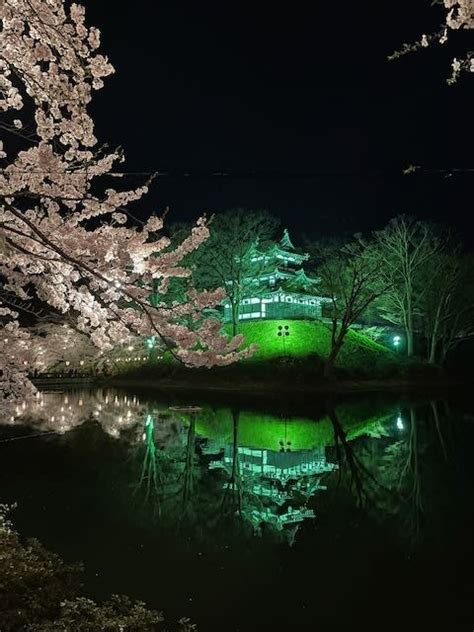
<point>15,358</point>
<point>41,593</point>
<point>65,236</point>
<point>459,15</point>
<point>61,347</point>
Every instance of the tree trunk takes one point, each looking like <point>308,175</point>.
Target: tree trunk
<point>189,461</point>
<point>409,337</point>
<point>235,478</point>
<point>433,347</point>
<point>331,359</point>
<point>235,317</point>
<point>434,409</point>
<point>434,337</point>
<point>409,324</point>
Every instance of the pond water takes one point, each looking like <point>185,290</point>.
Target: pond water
<point>282,515</point>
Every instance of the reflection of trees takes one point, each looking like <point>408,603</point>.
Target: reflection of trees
<point>361,479</point>
<point>158,467</point>
<point>213,490</point>
<point>188,469</point>
<point>436,417</point>
<point>169,470</point>
<point>225,485</point>
<point>150,474</point>
<point>416,471</point>
<point>410,480</point>
<point>234,487</point>
<point>399,480</point>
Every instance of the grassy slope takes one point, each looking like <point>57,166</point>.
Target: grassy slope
<point>295,360</point>
<point>312,338</point>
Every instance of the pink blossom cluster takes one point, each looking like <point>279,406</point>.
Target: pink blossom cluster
<point>460,15</point>
<point>15,357</point>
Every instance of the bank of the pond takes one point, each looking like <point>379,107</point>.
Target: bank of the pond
<point>277,381</point>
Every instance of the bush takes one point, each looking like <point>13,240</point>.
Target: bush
<point>40,593</point>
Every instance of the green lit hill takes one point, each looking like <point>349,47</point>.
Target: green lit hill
<point>289,363</point>
<point>311,339</point>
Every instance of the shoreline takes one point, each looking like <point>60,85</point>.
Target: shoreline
<point>261,387</point>
<point>277,389</point>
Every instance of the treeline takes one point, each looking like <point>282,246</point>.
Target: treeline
<point>414,275</point>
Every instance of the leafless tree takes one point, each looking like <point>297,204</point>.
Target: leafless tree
<point>405,248</point>
<point>448,303</point>
<point>349,277</point>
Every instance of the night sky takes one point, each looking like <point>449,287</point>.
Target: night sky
<point>298,104</point>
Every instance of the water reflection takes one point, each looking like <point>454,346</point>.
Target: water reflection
<point>268,487</point>
<point>62,411</point>
<point>163,503</point>
<point>215,465</point>
<point>197,469</point>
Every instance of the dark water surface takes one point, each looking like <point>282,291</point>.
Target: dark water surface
<point>303,515</point>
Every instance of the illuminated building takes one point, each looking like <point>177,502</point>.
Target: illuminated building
<point>279,287</point>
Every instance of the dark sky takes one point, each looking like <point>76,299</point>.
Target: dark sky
<point>271,95</point>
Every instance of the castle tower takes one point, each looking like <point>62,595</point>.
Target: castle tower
<point>279,287</point>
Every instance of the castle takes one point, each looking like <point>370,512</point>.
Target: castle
<point>279,288</point>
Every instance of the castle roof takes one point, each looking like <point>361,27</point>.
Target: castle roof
<point>275,253</point>
<point>285,241</point>
<point>292,280</point>
<point>299,282</point>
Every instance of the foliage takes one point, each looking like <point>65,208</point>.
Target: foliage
<point>226,258</point>
<point>54,345</point>
<point>39,593</point>
<point>84,615</point>
<point>375,332</point>
<point>33,581</point>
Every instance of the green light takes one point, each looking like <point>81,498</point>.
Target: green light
<point>396,340</point>
<point>265,431</point>
<point>150,342</point>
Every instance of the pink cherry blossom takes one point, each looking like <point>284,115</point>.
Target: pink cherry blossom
<point>61,242</point>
